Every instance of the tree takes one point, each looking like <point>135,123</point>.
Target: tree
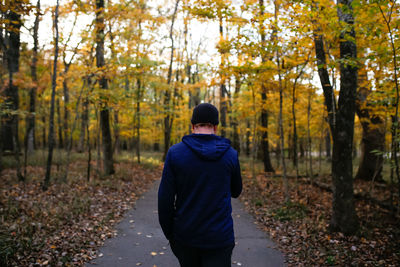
<point>264,112</point>
<point>391,19</point>
<point>30,143</point>
<point>10,45</point>
<point>221,12</point>
<point>373,134</point>
<point>168,119</point>
<point>281,132</point>
<point>53,95</point>
<point>66,90</point>
<point>341,118</point>
<point>108,162</point>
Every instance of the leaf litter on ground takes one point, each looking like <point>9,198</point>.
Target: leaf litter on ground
<point>65,225</point>
<point>301,227</point>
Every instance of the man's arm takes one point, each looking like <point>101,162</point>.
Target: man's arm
<point>166,198</point>
<point>236,181</point>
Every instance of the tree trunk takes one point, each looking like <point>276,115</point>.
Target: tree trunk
<point>53,95</point>
<point>371,161</point>
<point>44,131</point>
<point>295,158</point>
<point>89,153</point>
<point>84,123</point>
<point>341,120</point>
<point>30,140</point>
<point>66,105</point>
<point>254,135</point>
<point>395,117</point>
<point>309,138</point>
<point>30,145</point>
<point>60,131</point>
<point>117,141</point>
<point>85,112</point>
<point>11,56</point>
<point>1,150</point>
<point>108,162</point>
<point>69,141</point>
<point>167,123</point>
<point>235,123</point>
<point>330,101</point>
<point>278,146</point>
<point>301,148</point>
<point>10,136</point>
<point>264,112</point>
<point>281,132</point>
<point>295,137</point>
<point>248,138</point>
<point>344,217</point>
<point>373,135</point>
<point>265,140</point>
<point>138,98</point>
<point>168,120</point>
<point>67,66</point>
<point>223,107</point>
<point>328,145</point>
<point>321,139</point>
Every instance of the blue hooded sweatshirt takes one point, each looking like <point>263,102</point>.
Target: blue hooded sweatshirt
<point>200,176</point>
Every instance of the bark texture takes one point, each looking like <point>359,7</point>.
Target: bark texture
<point>9,135</point>
<point>12,44</point>
<point>223,107</point>
<point>264,113</point>
<point>344,217</point>
<point>341,118</point>
<point>84,123</point>
<point>168,119</point>
<point>52,103</point>
<point>108,162</point>
<point>30,139</point>
<point>373,136</point>
<point>235,123</point>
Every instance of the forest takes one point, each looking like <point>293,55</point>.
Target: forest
<point>94,92</point>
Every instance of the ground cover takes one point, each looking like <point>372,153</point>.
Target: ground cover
<point>301,227</point>
<point>65,225</point>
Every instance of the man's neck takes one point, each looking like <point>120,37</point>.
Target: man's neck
<point>203,131</point>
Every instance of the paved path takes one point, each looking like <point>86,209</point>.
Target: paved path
<point>140,241</point>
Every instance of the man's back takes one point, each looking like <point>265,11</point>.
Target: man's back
<point>200,176</point>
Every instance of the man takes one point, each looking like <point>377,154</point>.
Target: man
<point>200,176</point>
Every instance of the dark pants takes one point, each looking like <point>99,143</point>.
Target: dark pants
<point>197,257</point>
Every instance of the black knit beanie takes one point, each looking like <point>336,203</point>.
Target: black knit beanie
<point>205,113</point>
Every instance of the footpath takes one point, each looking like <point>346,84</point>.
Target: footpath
<point>140,241</point>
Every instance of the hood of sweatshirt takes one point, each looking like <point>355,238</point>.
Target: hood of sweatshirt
<point>207,146</point>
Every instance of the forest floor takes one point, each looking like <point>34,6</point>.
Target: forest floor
<point>301,227</point>
<point>65,225</point>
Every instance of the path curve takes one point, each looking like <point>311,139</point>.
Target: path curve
<point>140,241</point>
